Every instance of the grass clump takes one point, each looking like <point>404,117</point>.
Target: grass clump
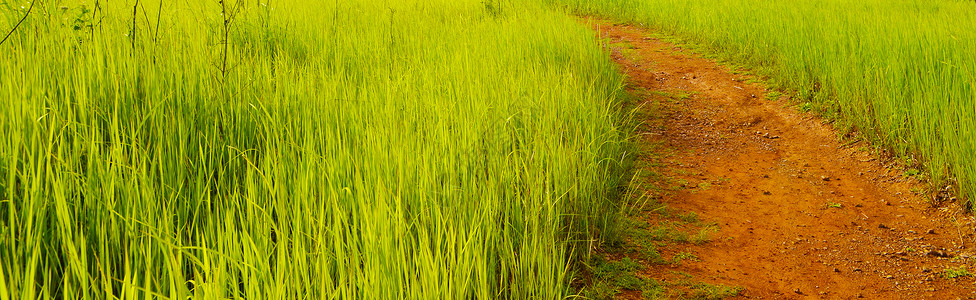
<point>683,256</point>
<point>608,277</point>
<point>303,150</point>
<point>956,272</point>
<point>713,291</point>
<point>654,289</point>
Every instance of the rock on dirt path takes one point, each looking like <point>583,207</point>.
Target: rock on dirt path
<point>801,215</point>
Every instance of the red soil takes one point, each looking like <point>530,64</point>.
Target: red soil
<point>773,178</point>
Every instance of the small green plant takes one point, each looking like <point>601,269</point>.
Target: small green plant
<point>684,95</point>
<point>642,243</point>
<point>651,254</point>
<point>653,289</point>
<point>611,276</point>
<point>956,272</point>
<point>685,278</point>
<point>78,19</point>
<point>629,281</point>
<point>683,256</point>
<point>772,96</point>
<point>611,269</point>
<point>601,291</point>
<point>834,205</point>
<point>667,232</point>
<point>626,49</point>
<point>714,291</point>
<point>634,224</point>
<point>703,235</point>
<point>705,186</point>
<point>806,106</point>
<point>911,172</point>
<point>690,217</point>
<point>681,183</point>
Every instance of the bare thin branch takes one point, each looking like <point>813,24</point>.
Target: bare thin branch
<point>18,23</point>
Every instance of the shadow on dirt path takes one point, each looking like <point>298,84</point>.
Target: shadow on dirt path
<point>800,215</point>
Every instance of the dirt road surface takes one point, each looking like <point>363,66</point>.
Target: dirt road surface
<point>801,216</point>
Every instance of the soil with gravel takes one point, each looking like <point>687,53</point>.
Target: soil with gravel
<point>801,215</point>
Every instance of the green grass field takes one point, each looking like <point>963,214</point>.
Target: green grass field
<point>291,149</point>
<point>903,73</point>
<point>398,150</point>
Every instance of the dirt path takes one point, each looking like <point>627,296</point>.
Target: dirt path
<point>800,215</point>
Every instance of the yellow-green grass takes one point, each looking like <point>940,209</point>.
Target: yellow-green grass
<point>346,150</point>
<point>903,72</point>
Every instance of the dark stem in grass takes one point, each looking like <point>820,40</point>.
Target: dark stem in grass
<point>18,23</point>
<point>134,11</point>
<point>159,14</point>
<point>94,13</point>
<point>226,18</point>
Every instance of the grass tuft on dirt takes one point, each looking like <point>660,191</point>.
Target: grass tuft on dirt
<point>651,235</point>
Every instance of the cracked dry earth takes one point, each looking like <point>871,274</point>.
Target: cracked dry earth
<point>801,216</point>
